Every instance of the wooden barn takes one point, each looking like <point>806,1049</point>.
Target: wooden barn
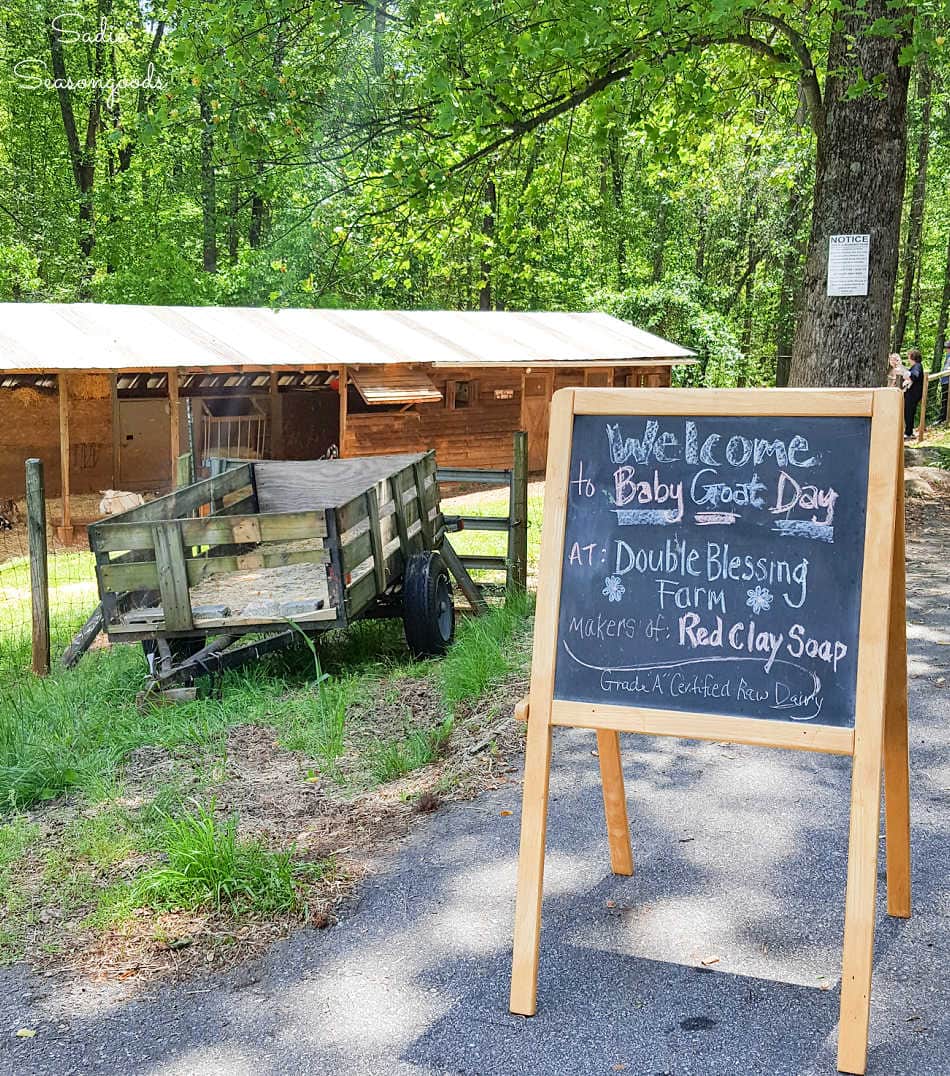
<point>110,396</point>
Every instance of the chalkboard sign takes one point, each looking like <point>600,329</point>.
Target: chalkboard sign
<point>714,564</point>
<point>725,565</point>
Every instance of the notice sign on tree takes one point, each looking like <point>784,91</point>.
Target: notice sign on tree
<point>848,264</point>
<point>726,565</point>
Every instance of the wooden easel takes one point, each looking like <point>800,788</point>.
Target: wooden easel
<point>879,736</point>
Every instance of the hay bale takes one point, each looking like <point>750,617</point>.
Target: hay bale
<point>89,386</point>
<point>30,399</point>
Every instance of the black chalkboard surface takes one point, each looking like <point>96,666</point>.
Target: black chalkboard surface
<point>713,565</point>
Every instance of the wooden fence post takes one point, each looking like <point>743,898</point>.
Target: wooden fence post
<point>517,576</point>
<point>39,576</point>
<point>183,470</point>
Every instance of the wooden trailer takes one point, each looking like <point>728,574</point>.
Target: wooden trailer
<point>275,548</point>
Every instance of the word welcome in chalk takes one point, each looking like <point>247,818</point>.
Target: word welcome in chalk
<point>668,447</point>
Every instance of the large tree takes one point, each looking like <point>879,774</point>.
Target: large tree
<point>506,73</point>
<point>861,146</point>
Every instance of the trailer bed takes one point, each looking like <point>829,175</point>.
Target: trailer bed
<point>267,544</point>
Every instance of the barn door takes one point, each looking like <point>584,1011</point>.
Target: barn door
<point>144,456</point>
<point>534,416</point>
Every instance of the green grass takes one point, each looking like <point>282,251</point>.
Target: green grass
<point>16,837</point>
<point>73,596</point>
<point>474,543</point>
<point>417,748</point>
<point>207,867</point>
<point>64,738</point>
<point>480,656</point>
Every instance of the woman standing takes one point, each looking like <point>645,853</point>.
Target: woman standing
<point>913,390</point>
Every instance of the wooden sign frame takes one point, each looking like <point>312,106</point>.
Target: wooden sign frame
<point>879,735</point>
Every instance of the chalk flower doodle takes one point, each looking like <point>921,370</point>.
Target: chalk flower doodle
<point>759,600</point>
<point>613,588</point>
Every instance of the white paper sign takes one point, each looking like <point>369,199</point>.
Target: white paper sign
<point>848,259</point>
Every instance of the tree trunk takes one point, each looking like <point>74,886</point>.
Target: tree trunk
<point>944,314</point>
<point>379,35</point>
<point>788,290</point>
<point>616,190</point>
<point>255,230</point>
<point>659,240</point>
<point>699,266</point>
<point>234,211</point>
<point>488,231</point>
<point>82,153</point>
<point>859,188</point>
<point>915,223</point>
<point>209,246</point>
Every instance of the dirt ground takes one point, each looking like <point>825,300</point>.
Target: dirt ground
<point>85,509</point>
<point>287,801</point>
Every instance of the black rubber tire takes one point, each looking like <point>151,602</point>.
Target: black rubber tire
<point>428,614</point>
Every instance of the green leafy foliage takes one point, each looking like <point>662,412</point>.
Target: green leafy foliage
<point>442,153</point>
<point>674,311</point>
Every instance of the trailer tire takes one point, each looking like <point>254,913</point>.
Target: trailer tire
<point>427,611</point>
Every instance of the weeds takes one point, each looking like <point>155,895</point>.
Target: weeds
<point>479,657</point>
<point>207,867</point>
<point>418,748</point>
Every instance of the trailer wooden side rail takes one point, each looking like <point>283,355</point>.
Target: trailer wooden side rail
<point>262,547</point>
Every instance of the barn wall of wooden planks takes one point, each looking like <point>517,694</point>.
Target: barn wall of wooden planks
<point>476,430</point>
<point>132,443</point>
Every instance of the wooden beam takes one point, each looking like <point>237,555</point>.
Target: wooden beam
<point>376,538</point>
<point>63,386</point>
<point>172,576</point>
<point>342,410</point>
<point>276,418</point>
<point>174,424</point>
<point>39,581</point>
<point>896,758</point>
<point>114,399</point>
<point>517,574</point>
<point>466,584</point>
<point>615,802</point>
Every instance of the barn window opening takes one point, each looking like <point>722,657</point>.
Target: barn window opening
<point>461,394</point>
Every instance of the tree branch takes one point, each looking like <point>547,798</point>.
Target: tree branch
<point>810,84</point>
<point>65,102</point>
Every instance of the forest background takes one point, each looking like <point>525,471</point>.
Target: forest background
<point>656,160</point>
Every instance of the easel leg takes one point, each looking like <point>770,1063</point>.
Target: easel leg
<point>871,704</point>
<point>896,758</point>
<point>615,801</point>
<point>858,951</point>
<point>534,813</point>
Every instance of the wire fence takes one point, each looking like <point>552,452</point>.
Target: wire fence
<point>72,584</point>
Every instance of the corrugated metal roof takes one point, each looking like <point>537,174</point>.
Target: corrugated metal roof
<point>393,385</point>
<point>94,336</point>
